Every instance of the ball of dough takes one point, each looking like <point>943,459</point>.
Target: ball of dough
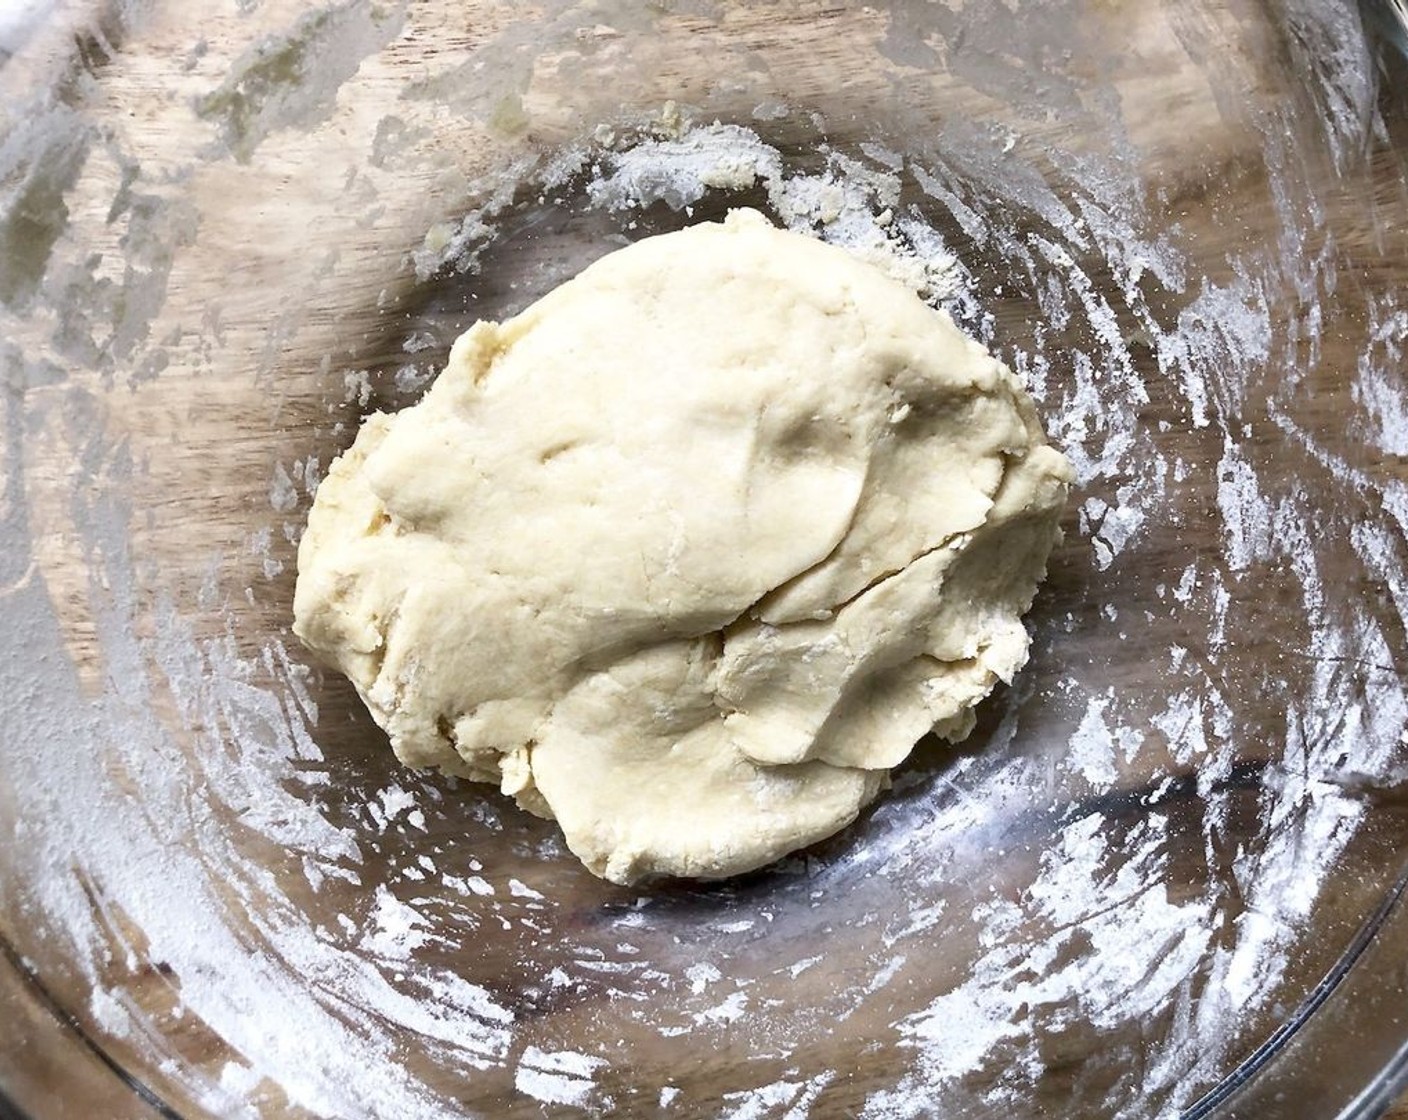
<point>692,551</point>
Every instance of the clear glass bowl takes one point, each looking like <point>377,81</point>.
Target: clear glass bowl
<point>1162,878</point>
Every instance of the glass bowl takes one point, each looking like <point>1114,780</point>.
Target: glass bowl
<point>1162,878</point>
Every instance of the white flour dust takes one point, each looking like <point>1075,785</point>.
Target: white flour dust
<point>1083,890</point>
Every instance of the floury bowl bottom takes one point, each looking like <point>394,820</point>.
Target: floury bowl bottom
<point>1162,878</point>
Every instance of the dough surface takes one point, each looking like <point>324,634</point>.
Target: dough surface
<point>692,551</point>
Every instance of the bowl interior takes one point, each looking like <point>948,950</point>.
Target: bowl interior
<point>230,235</point>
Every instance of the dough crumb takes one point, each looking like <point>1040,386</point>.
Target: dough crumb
<point>690,553</point>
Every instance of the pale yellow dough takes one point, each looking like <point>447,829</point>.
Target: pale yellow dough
<point>691,552</point>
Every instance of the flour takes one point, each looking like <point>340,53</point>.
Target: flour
<point>729,1010</point>
<point>399,929</point>
<point>561,1077</point>
<point>788,1100</point>
<point>1095,750</point>
<point>1145,946</point>
<point>851,203</point>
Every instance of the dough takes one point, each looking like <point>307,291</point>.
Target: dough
<point>691,552</point>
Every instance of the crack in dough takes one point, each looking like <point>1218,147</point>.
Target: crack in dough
<point>692,551</point>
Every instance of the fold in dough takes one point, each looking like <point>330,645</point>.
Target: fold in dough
<point>691,552</point>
